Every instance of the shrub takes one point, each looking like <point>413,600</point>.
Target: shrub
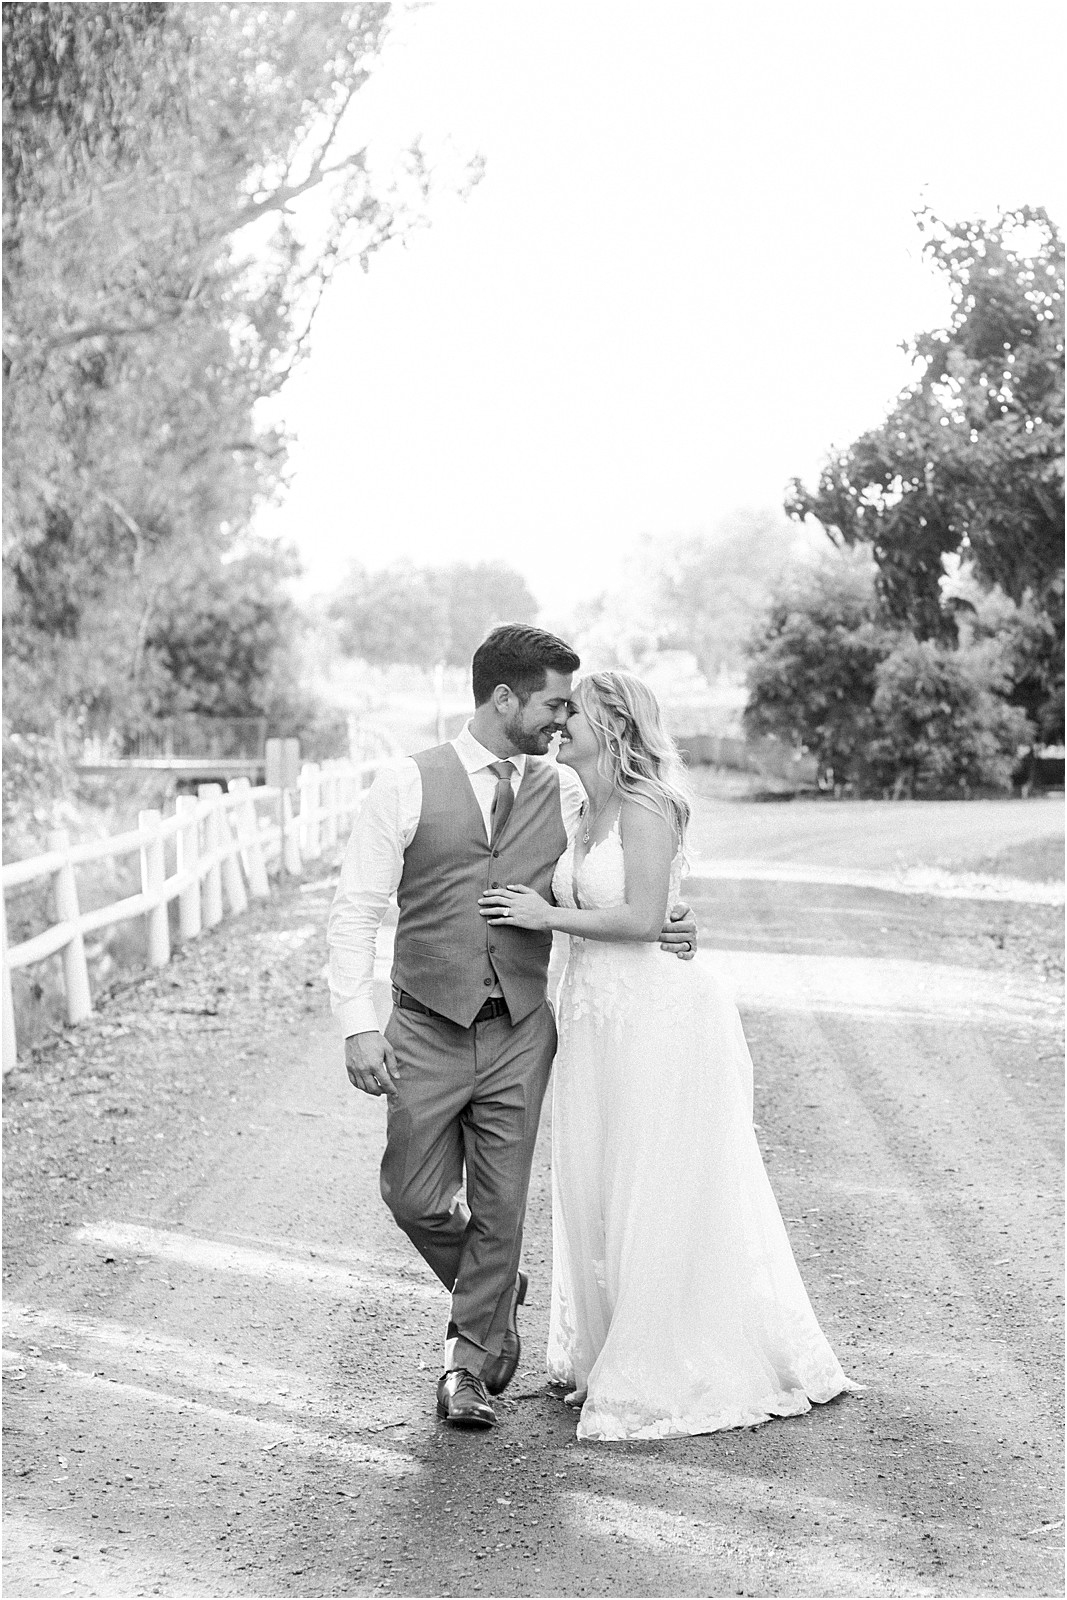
<point>812,667</point>
<point>941,724</point>
<point>880,709</point>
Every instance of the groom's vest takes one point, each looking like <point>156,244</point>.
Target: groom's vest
<point>448,956</point>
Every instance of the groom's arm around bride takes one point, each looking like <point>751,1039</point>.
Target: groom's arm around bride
<point>466,1054</point>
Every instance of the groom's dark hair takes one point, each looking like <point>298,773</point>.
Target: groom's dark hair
<point>519,656</point>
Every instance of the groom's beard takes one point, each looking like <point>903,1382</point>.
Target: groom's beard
<point>529,741</point>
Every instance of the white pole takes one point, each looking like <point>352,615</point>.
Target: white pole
<point>277,862</point>
<point>355,794</point>
<point>248,837</point>
<point>310,790</point>
<point>153,873</point>
<point>75,966</point>
<point>188,841</point>
<point>212,839</point>
<point>331,801</point>
<point>290,841</point>
<point>11,1049</point>
<point>344,802</point>
<point>274,778</point>
<point>232,882</point>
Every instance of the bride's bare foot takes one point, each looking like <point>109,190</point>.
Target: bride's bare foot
<point>576,1399</point>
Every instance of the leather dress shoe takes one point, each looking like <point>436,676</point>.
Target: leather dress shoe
<point>497,1374</point>
<point>462,1400</point>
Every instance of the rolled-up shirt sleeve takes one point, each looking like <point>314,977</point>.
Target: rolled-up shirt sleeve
<point>571,799</point>
<point>370,873</point>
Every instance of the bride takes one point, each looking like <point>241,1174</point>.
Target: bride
<point>677,1307</point>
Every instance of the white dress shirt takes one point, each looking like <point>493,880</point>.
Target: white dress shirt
<point>374,863</point>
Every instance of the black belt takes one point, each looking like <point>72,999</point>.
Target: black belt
<point>497,1007</point>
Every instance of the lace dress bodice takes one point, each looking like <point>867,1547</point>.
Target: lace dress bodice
<point>599,969</point>
<point>601,878</point>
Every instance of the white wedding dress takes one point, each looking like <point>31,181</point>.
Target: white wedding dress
<point>676,1301</point>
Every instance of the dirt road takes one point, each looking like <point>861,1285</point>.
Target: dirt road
<point>220,1355</point>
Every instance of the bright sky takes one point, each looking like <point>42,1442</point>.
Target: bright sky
<point>686,273</point>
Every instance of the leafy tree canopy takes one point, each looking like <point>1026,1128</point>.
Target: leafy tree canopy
<point>707,590</point>
<point>969,464</point>
<point>698,592</point>
<point>426,615</point>
<point>940,723</point>
<point>813,663</point>
<point>880,709</point>
<point>223,639</point>
<point>158,286</point>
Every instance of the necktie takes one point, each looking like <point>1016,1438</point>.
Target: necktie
<point>504,798</point>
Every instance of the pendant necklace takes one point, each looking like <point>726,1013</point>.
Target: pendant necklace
<point>587,832</point>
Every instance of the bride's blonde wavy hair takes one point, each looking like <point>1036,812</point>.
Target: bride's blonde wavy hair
<point>637,754</point>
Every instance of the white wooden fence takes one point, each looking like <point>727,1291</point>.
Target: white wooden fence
<point>226,847</point>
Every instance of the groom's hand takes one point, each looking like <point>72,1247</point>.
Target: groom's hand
<point>679,935</point>
<point>370,1062</point>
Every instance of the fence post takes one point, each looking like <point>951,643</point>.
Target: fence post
<point>153,874</point>
<point>283,773</point>
<point>188,843</point>
<point>291,858</point>
<point>274,778</point>
<point>354,784</point>
<point>310,790</point>
<point>277,864</point>
<point>248,838</point>
<point>232,882</point>
<point>11,1049</point>
<point>283,763</point>
<point>343,783</point>
<point>325,791</point>
<point>331,798</point>
<point>75,966</point>
<point>213,839</point>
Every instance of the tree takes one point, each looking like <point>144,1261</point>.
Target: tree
<point>481,596</point>
<point>940,723</point>
<point>142,141</point>
<point>396,615</point>
<point>881,710</point>
<point>1019,640</point>
<point>224,640</point>
<point>969,464</point>
<point>425,615</point>
<point>708,591</point>
<point>813,664</point>
<point>697,593</point>
<point>159,284</point>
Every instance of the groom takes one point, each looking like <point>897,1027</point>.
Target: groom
<point>467,1051</point>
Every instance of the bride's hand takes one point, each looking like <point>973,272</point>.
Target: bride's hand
<point>517,906</point>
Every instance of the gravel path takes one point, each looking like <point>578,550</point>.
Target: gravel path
<point>1005,836</point>
<point>220,1354</point>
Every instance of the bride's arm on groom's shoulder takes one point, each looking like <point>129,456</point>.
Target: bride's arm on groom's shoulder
<point>648,849</point>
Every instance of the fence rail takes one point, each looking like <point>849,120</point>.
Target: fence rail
<point>227,845</point>
<point>190,737</point>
